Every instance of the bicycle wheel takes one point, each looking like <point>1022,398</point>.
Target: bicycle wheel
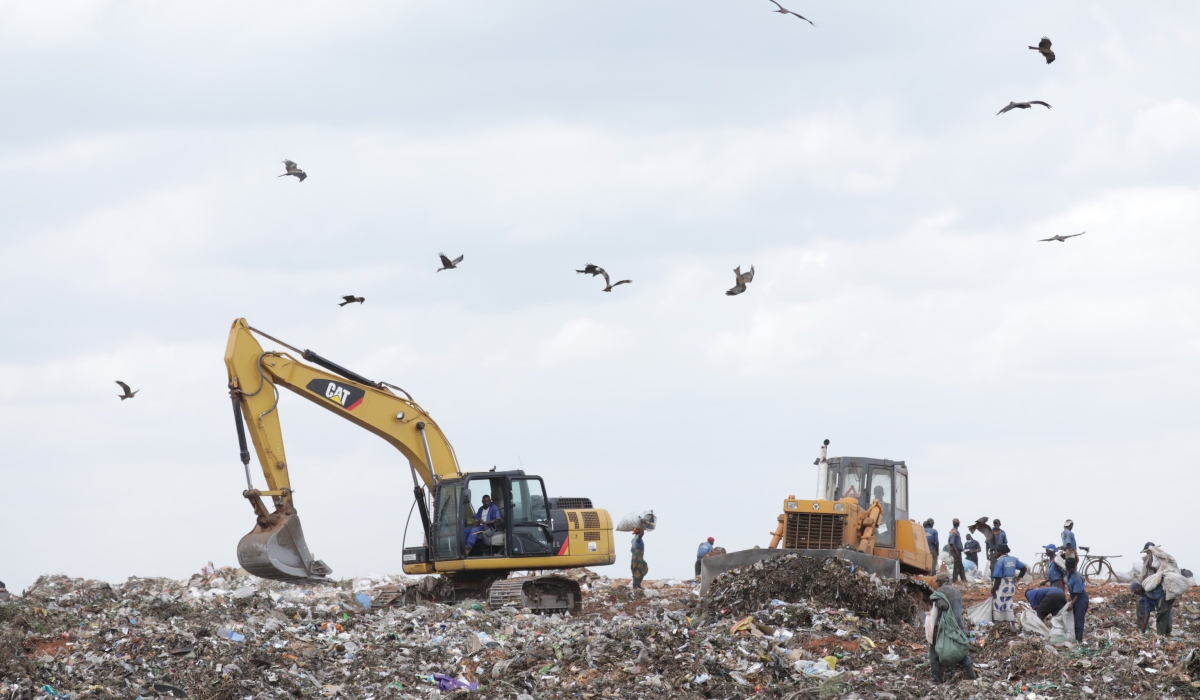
<point>1099,570</point>
<point>1039,570</point>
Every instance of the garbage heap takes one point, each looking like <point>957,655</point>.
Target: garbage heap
<point>787,628</point>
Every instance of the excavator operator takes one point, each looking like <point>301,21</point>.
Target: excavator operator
<point>486,518</point>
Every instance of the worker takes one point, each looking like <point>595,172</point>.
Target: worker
<point>637,560</point>
<point>4,594</point>
<point>947,598</point>
<point>999,537</point>
<point>705,548</point>
<point>1078,604</point>
<point>971,550</point>
<point>1163,569</point>
<point>931,536</point>
<point>1055,575</point>
<point>989,541</point>
<point>1147,602</point>
<point>485,520</point>
<point>1046,602</point>
<point>1069,550</point>
<point>881,496</point>
<point>956,551</point>
<point>1004,585</point>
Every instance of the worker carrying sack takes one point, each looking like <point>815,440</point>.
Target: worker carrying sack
<point>951,644</point>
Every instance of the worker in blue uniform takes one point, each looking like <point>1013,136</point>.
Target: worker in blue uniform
<point>486,519</point>
<point>1078,604</point>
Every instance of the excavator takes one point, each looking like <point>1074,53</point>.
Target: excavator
<point>535,533</point>
<point>860,513</point>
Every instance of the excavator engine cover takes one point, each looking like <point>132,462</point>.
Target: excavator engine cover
<point>279,552</point>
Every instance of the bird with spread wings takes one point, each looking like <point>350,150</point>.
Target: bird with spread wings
<point>351,299</point>
<point>594,270</point>
<point>293,170</point>
<point>1043,48</point>
<point>1060,238</point>
<point>742,279</point>
<point>784,11</point>
<point>1022,105</point>
<point>447,263</point>
<point>128,394</point>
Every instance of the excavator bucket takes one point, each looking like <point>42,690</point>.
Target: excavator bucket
<point>279,552</point>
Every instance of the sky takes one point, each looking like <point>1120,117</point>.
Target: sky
<point>902,307</point>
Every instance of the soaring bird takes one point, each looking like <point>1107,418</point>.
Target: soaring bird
<point>594,270</point>
<point>743,279</point>
<point>1060,238</point>
<point>128,394</point>
<point>784,11</point>
<point>293,169</point>
<point>447,263</point>
<point>350,299</point>
<point>1022,105</point>
<point>1043,47</point>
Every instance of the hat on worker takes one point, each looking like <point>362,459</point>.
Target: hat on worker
<point>1147,547</point>
<point>711,540</point>
<point>1069,523</point>
<point>1051,547</point>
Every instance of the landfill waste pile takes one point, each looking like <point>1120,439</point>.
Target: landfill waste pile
<point>835,633</point>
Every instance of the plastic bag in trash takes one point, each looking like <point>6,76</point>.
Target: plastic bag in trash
<point>644,520</point>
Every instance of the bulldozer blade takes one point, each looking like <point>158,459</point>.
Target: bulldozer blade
<point>279,552</point>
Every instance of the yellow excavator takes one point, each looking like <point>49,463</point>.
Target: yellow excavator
<point>860,514</point>
<point>534,532</point>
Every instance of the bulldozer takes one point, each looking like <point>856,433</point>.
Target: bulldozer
<point>533,533</point>
<point>860,514</point>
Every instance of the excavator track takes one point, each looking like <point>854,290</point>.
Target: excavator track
<point>541,594</point>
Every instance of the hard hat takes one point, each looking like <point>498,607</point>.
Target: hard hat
<point>1069,523</point>
<point>711,540</point>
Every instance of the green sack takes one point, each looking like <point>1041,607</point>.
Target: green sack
<point>951,643</point>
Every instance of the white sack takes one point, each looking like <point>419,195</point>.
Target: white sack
<point>644,520</point>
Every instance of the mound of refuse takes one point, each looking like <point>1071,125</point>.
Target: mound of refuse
<point>826,581</point>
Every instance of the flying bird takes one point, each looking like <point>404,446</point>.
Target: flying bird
<point>350,299</point>
<point>594,270</point>
<point>1060,238</point>
<point>128,394</point>
<point>447,263</point>
<point>293,169</point>
<point>1043,47</point>
<point>1022,105</point>
<point>743,279</point>
<point>784,11</point>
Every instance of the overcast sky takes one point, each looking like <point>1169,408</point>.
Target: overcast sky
<point>902,307</point>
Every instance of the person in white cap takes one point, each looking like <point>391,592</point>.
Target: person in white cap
<point>1068,550</point>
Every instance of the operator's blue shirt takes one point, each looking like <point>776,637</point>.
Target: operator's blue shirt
<point>955,540</point>
<point>1068,539</point>
<point>705,548</point>
<point>1006,567</point>
<point>1075,584</point>
<point>485,513</point>
<point>1035,595</point>
<point>931,536</point>
<point>1055,573</point>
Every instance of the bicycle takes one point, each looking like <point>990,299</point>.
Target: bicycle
<point>1093,566</point>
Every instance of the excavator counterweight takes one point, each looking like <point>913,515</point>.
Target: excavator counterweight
<point>531,533</point>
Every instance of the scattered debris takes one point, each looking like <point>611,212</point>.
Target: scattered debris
<point>793,627</point>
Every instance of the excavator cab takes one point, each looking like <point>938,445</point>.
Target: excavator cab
<point>527,527</point>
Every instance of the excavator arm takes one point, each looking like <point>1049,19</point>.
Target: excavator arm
<point>276,548</point>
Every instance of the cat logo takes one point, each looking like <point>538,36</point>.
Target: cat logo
<point>344,395</point>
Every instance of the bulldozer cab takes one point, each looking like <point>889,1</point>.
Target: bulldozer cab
<point>525,528</point>
<point>866,480</point>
